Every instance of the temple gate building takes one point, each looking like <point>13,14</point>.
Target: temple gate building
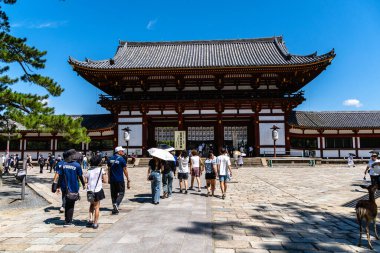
<point>218,91</point>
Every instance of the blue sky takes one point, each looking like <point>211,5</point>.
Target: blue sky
<point>92,28</point>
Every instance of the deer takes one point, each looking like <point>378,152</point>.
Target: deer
<point>367,209</point>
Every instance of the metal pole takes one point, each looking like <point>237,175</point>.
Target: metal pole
<point>274,142</point>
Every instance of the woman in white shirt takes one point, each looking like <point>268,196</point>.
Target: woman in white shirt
<point>183,170</point>
<point>94,177</point>
<point>196,167</point>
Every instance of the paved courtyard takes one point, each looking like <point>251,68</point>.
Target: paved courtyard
<point>279,209</point>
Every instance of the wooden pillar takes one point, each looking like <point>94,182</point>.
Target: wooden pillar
<point>287,133</point>
<point>356,142</point>
<point>144,110</point>
<point>219,135</point>
<point>320,142</point>
<point>180,110</point>
<point>256,107</point>
<point>54,143</point>
<point>115,113</point>
<point>22,145</point>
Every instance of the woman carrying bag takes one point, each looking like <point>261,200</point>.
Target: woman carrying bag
<point>95,177</point>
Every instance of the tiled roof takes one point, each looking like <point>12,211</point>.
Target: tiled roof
<point>202,54</point>
<point>336,120</point>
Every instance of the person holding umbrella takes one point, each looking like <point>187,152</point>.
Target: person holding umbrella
<point>154,171</point>
<point>350,160</point>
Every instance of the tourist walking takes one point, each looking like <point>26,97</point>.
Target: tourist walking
<point>41,163</point>
<point>196,167</point>
<point>224,170</point>
<point>211,172</point>
<point>117,167</point>
<point>154,176</point>
<point>183,171</point>
<point>373,175</point>
<point>51,162</point>
<point>71,173</point>
<point>167,178</point>
<point>240,161</point>
<point>29,161</point>
<point>350,160</point>
<point>95,176</point>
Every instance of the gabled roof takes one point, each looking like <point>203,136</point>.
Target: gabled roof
<point>202,54</point>
<point>96,121</point>
<point>335,120</point>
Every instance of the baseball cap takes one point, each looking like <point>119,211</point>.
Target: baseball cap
<point>119,148</point>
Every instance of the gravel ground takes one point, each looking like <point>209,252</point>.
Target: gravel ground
<point>10,195</point>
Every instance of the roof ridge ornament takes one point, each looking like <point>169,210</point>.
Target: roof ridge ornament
<point>285,54</point>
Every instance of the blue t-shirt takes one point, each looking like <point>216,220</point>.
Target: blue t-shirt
<point>116,164</point>
<point>71,171</point>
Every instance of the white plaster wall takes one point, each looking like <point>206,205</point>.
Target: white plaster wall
<point>230,112</point>
<point>127,120</point>
<point>191,112</point>
<point>344,153</point>
<point>353,142</point>
<point>377,131</point>
<point>346,132</point>
<point>330,132</point>
<point>94,134</point>
<point>273,118</point>
<point>266,134</point>
<point>358,142</point>
<point>296,131</point>
<point>365,131</point>
<point>311,132</point>
<point>265,111</point>
<point>124,113</point>
<point>277,111</point>
<point>169,113</point>
<point>208,88</point>
<point>269,151</point>
<point>364,153</point>
<point>246,111</point>
<point>106,133</point>
<point>154,113</point>
<point>208,112</point>
<point>170,89</point>
<point>229,88</point>
<point>45,134</point>
<point>135,113</point>
<point>136,135</point>
<point>296,152</point>
<point>319,142</point>
<point>330,153</point>
<point>31,134</point>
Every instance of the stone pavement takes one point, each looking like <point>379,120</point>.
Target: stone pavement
<point>279,209</point>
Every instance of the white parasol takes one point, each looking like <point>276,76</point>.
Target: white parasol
<point>161,154</point>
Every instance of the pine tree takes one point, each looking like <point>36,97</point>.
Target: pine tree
<point>30,110</point>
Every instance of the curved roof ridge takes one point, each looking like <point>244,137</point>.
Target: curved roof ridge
<point>194,42</point>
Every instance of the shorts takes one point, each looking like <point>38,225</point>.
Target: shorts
<point>99,195</point>
<point>195,172</point>
<point>223,178</point>
<point>183,176</point>
<point>210,176</point>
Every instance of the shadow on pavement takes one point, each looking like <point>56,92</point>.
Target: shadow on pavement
<point>51,208</point>
<point>290,227</point>
<point>142,198</point>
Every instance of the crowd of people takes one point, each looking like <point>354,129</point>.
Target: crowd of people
<point>161,172</point>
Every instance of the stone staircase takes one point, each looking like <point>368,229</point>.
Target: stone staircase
<point>248,162</point>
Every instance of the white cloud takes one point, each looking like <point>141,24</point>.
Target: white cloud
<point>352,102</point>
<point>151,24</point>
<point>45,101</point>
<point>35,25</point>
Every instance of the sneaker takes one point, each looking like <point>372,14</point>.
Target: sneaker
<point>191,188</point>
<point>199,190</point>
<point>180,191</point>
<point>68,224</point>
<point>95,226</point>
<point>223,196</point>
<point>62,209</point>
<point>115,209</point>
<point>208,194</point>
<point>186,192</point>
<point>90,224</point>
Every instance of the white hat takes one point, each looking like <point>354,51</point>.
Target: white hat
<point>119,148</point>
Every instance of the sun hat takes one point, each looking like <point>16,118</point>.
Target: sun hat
<point>119,148</point>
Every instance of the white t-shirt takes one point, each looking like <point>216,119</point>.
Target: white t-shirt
<point>223,162</point>
<point>183,164</point>
<point>92,177</point>
<point>375,171</point>
<point>195,161</point>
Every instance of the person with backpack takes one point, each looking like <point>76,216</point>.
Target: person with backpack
<point>51,162</point>
<point>211,173</point>
<point>41,162</point>
<point>95,176</point>
<point>167,178</point>
<point>117,166</point>
<point>71,172</point>
<point>183,171</point>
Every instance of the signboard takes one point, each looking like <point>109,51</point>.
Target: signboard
<point>180,140</point>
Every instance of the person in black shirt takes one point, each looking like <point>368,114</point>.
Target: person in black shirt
<point>167,178</point>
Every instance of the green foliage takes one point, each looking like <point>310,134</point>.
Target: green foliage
<point>28,109</point>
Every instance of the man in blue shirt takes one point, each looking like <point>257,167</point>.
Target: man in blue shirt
<point>117,166</point>
<point>69,171</point>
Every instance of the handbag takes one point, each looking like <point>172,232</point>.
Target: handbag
<point>91,194</point>
<point>70,195</point>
